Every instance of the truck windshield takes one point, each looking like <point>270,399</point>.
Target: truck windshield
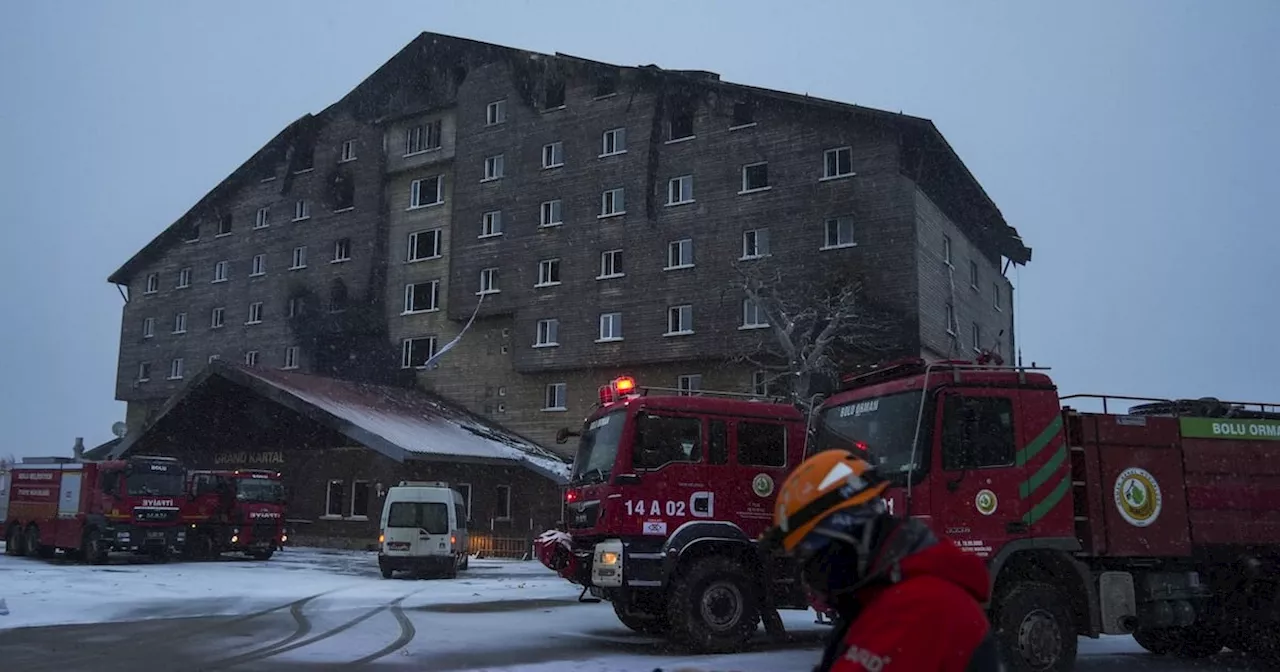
<point>598,448</point>
<point>883,427</point>
<point>154,483</point>
<point>259,490</point>
<point>430,516</point>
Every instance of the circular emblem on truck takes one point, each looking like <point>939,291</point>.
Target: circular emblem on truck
<point>762,485</point>
<point>986,502</point>
<point>1138,497</point>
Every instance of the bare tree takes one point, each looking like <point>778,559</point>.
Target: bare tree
<point>815,327</point>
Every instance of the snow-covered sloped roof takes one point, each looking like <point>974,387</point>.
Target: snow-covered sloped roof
<point>400,422</point>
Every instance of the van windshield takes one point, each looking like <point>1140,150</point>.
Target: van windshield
<point>430,516</point>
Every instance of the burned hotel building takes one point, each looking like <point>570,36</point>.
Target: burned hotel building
<point>594,219</point>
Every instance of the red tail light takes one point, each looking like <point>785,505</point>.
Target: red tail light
<point>570,496</point>
<point>860,445</point>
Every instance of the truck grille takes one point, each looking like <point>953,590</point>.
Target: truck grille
<point>584,514</point>
<point>263,533</point>
<point>166,515</point>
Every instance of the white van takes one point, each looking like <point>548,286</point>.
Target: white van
<point>424,529</point>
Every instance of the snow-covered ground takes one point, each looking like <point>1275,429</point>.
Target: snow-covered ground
<point>313,606</point>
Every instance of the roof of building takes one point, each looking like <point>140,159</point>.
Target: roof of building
<point>400,423</point>
<point>102,451</point>
<point>921,132</point>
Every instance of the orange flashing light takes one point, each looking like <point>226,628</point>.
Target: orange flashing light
<point>625,385</point>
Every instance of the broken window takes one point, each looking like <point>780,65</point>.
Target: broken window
<point>606,85</point>
<point>224,224</point>
<point>337,296</point>
<point>342,192</point>
<point>193,233</point>
<point>304,160</point>
<point>680,123</point>
<point>744,114</point>
<point>554,95</point>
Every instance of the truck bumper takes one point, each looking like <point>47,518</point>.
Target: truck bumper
<point>136,539</point>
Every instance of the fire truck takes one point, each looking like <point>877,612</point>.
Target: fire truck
<point>238,511</point>
<point>666,500</point>
<point>1161,520</point>
<point>89,509</point>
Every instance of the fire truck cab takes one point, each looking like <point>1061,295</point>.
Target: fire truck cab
<point>1158,521</point>
<point>89,509</point>
<point>666,499</point>
<point>238,511</point>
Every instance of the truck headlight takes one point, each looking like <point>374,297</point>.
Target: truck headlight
<point>608,558</point>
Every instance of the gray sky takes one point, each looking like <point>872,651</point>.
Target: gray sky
<point>1135,151</point>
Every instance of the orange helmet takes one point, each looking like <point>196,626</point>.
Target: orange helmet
<point>830,481</point>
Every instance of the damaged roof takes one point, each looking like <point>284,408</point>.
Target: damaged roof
<point>401,423</point>
<point>920,133</point>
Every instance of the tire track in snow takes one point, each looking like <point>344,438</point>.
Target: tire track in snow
<point>301,629</point>
<point>295,643</point>
<point>407,633</point>
<point>175,632</point>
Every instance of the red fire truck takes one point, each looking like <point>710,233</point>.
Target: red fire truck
<point>1162,521</point>
<point>240,511</point>
<point>667,496</point>
<point>89,509</point>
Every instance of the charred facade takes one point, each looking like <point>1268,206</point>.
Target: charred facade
<point>594,218</point>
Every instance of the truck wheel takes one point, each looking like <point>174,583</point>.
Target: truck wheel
<point>32,545</point>
<point>466,562</point>
<point>387,572</point>
<point>639,621</point>
<point>1197,643</point>
<point>1155,640</point>
<point>203,548</point>
<point>1035,630</point>
<point>94,553</point>
<point>13,542</point>
<point>713,606</point>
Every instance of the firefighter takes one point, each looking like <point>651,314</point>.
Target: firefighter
<point>906,600</point>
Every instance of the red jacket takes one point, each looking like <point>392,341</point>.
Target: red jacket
<point>931,620</point>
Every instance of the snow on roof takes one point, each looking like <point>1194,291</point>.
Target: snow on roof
<point>412,420</point>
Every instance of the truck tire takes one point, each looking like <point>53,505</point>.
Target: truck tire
<point>91,547</point>
<point>1159,641</point>
<point>1034,628</point>
<point>1196,643</point>
<point>713,606</point>
<point>13,541</point>
<point>33,548</point>
<point>639,621</point>
<point>203,548</point>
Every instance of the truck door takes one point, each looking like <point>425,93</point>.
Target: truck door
<point>760,450</point>
<point>975,494</point>
<point>669,456</point>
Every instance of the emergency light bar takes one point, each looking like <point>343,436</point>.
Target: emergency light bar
<point>617,388</point>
